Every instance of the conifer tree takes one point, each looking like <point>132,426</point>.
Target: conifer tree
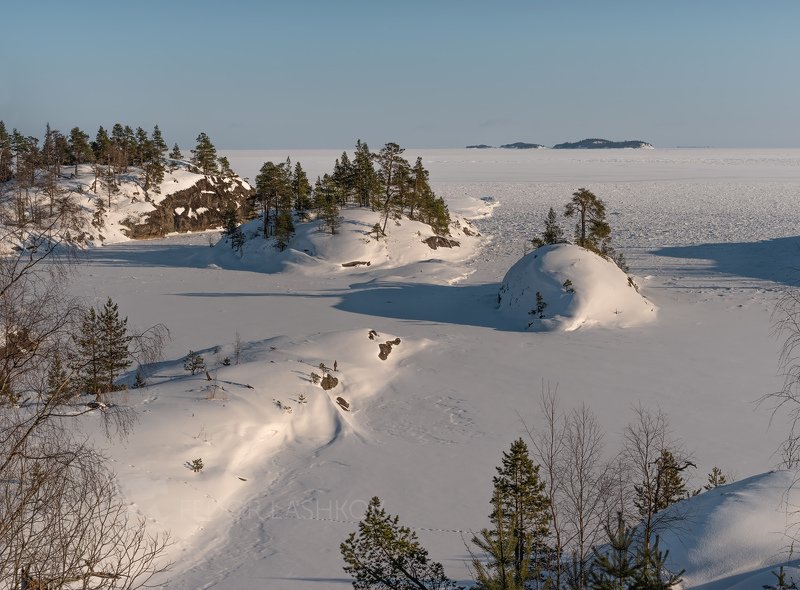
<point>327,202</point>
<point>384,555</point>
<point>365,178</point>
<point>301,191</point>
<point>715,479</point>
<point>616,568</point>
<point>89,367</point>
<point>591,230</point>
<point>6,171</point>
<point>232,231</point>
<point>58,380</point>
<point>671,487</point>
<point>159,144</point>
<point>390,166</point>
<point>101,146</point>
<point>79,147</point>
<point>343,176</point>
<point>525,507</point>
<point>273,191</point>
<point>176,154</point>
<point>552,234</point>
<point>651,571</point>
<point>114,342</point>
<point>497,568</point>
<point>225,167</point>
<point>204,155</point>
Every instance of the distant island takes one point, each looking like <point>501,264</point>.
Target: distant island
<point>521,145</point>
<point>595,144</point>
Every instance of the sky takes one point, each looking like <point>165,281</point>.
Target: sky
<point>434,73</point>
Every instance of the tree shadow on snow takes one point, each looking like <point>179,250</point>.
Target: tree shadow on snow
<point>776,260</point>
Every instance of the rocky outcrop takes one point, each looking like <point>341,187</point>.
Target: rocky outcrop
<point>435,242</point>
<point>197,208</point>
<point>386,348</point>
<point>329,382</point>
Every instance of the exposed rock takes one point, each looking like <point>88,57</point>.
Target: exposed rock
<point>329,382</point>
<point>372,334</point>
<point>386,348</point>
<point>356,263</point>
<point>440,242</point>
<point>343,403</point>
<point>197,208</point>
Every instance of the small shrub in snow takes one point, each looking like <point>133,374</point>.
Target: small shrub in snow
<point>194,362</point>
<point>315,378</point>
<point>715,479</point>
<point>196,465</point>
<point>139,381</point>
<point>540,305</point>
<point>568,286</point>
<point>226,362</point>
<point>302,399</point>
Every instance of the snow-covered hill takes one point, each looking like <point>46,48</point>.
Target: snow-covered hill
<point>565,287</point>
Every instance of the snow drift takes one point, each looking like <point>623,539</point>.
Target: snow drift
<point>565,287</point>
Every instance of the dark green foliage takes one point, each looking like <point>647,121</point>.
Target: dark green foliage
<point>326,200</point>
<point>552,234</point>
<point>391,174</point>
<point>139,381</point>
<point>715,479</point>
<point>196,465</point>
<point>344,177</point>
<point>194,362</point>
<point>79,148</point>
<point>301,191</point>
<point>616,568</point>
<point>225,167</point>
<point>591,230</point>
<point>524,508</point>
<point>176,154</point>
<point>6,171</point>
<point>204,155</point>
<point>423,204</point>
<point>541,305</point>
<point>158,142</point>
<point>384,555</point>
<point>671,487</point>
<point>232,231</point>
<point>59,380</point>
<point>651,572</point>
<point>273,191</point>
<point>497,569</point>
<point>103,349</point>
<point>365,180</point>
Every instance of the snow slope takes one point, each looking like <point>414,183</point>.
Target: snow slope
<point>427,426</point>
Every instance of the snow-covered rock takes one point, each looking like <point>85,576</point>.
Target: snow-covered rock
<point>577,288</point>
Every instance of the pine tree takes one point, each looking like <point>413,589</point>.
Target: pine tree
<point>158,142</point>
<point>89,367</point>
<point>552,234</point>
<point>301,191</point>
<point>671,487</point>
<point>497,568</point>
<point>365,179</point>
<point>6,171</point>
<point>204,155</point>
<point>344,177</point>
<point>101,146</point>
<point>651,572</point>
<point>193,362</point>
<point>58,380</point>
<point>384,555</point>
<point>232,231</point>
<point>390,167</point>
<point>176,154</point>
<point>715,479</point>
<point>225,167</point>
<point>781,583</point>
<point>524,506</point>
<point>615,569</point>
<point>79,147</point>
<point>114,342</point>
<point>327,203</point>
<point>591,230</point>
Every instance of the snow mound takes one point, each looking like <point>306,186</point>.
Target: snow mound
<point>577,287</point>
<point>354,248</point>
<point>734,536</point>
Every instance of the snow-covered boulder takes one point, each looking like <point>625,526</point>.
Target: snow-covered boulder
<point>575,288</point>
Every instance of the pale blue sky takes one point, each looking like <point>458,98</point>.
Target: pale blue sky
<point>435,73</point>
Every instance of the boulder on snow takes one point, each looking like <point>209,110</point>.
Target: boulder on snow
<point>435,242</point>
<point>386,348</point>
<point>565,287</point>
<point>329,382</point>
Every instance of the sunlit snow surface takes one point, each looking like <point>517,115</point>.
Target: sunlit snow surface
<point>711,239</point>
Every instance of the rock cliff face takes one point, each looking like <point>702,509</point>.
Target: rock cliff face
<point>197,208</point>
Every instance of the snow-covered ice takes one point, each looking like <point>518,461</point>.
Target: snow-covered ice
<point>711,237</point>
